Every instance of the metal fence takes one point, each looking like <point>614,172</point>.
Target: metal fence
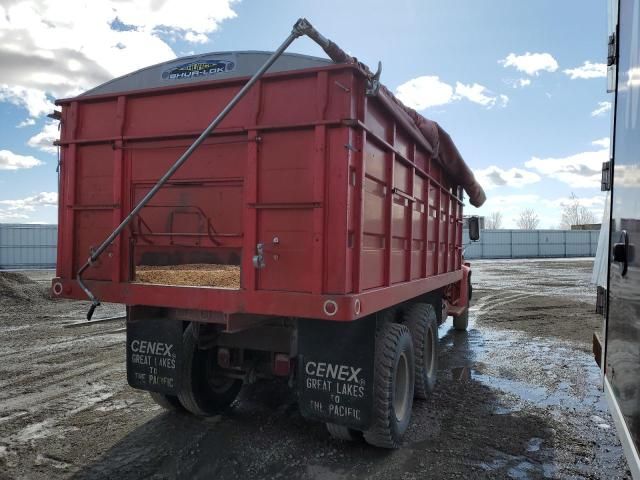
<point>532,243</point>
<point>34,246</point>
<point>28,246</point>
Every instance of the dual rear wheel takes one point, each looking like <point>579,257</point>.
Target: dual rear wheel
<point>204,392</point>
<point>393,386</point>
<point>406,363</point>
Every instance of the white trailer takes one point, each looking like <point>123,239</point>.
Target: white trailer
<point>617,267</point>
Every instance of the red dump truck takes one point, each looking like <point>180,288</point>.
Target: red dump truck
<point>337,209</point>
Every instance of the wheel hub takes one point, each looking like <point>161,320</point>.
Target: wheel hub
<point>401,391</point>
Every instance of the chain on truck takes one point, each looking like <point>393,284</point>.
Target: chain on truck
<point>312,230</point>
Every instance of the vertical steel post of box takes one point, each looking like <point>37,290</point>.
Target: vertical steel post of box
<point>249,280</point>
<point>390,161</point>
<point>360,167</point>
<point>447,231</point>
<point>69,164</point>
<point>300,28</point>
<point>319,181</point>
<point>425,216</point>
<point>410,209</point>
<point>438,223</point>
<point>118,172</point>
<point>250,223</point>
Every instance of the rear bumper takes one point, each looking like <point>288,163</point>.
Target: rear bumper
<point>276,303</point>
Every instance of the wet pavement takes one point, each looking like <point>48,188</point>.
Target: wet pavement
<point>517,397</point>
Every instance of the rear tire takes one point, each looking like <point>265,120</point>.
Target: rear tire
<point>168,402</point>
<point>461,322</point>
<point>203,392</point>
<point>393,384</point>
<point>422,322</point>
<point>340,432</point>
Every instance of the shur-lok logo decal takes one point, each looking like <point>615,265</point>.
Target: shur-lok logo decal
<point>201,68</point>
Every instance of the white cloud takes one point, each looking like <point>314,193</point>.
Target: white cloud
<point>26,123</point>
<point>602,142</point>
<point>429,91</point>
<point>424,92</point>
<point>549,210</point>
<point>509,205</point>
<point>633,77</point>
<point>580,170</point>
<point>14,161</point>
<point>479,94</point>
<point>523,82</point>
<point>20,210</point>
<point>56,49</point>
<point>177,16</point>
<point>6,216</point>
<point>45,138</point>
<point>595,203</point>
<point>196,37</point>
<point>501,202</point>
<point>35,101</point>
<point>627,176</point>
<point>587,70</point>
<point>603,107</point>
<point>494,176</point>
<point>42,199</point>
<point>531,63</point>
<point>517,82</point>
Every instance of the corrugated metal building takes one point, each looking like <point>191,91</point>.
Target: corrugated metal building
<point>532,243</point>
<point>28,246</point>
<point>34,246</point>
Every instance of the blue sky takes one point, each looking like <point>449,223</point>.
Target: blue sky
<point>507,79</point>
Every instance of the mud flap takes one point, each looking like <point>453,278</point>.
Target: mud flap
<point>335,371</point>
<point>154,350</point>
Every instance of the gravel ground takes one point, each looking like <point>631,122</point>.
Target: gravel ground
<point>517,397</point>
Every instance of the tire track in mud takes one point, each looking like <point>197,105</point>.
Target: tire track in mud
<point>56,387</point>
<point>44,351</point>
<point>51,359</point>
<point>31,369</point>
<point>49,412</point>
<point>489,303</point>
<point>47,382</point>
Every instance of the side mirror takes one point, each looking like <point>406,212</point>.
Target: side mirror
<point>474,229</point>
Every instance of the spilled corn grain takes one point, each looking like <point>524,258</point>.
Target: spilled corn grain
<point>196,275</point>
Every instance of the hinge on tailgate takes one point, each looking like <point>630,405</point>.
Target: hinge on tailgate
<point>601,300</point>
<point>258,259</point>
<point>612,54</point>
<point>605,184</point>
<point>612,60</point>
